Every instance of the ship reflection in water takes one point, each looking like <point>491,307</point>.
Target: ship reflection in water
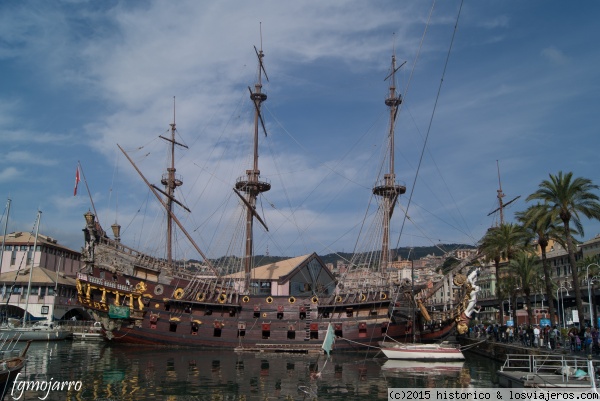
<point>120,372</point>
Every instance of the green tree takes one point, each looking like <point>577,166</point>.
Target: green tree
<point>526,269</point>
<point>537,221</point>
<point>507,289</point>
<point>568,198</point>
<point>501,243</point>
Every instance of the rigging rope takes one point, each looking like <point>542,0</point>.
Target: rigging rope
<point>431,118</point>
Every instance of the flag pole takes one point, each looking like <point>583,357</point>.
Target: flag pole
<point>88,191</point>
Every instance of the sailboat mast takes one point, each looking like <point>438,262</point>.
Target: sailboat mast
<point>37,230</point>
<point>389,190</point>
<point>170,181</point>
<point>5,230</point>
<point>251,184</point>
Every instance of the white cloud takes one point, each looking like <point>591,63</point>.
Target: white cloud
<point>23,157</point>
<point>555,55</point>
<point>87,77</point>
<point>9,174</point>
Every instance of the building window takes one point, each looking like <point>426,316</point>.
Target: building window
<point>265,287</point>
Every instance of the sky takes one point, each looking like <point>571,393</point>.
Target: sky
<point>487,87</point>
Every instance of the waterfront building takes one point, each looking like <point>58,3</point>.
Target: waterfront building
<point>19,253</point>
<point>48,271</point>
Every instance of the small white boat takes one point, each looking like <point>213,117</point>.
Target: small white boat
<point>88,333</point>
<point>40,331</point>
<point>423,352</point>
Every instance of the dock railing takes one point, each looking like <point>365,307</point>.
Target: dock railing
<point>546,366</point>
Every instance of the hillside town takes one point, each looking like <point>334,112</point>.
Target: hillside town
<point>51,271</point>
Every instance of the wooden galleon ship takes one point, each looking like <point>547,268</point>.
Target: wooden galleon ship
<point>284,306</point>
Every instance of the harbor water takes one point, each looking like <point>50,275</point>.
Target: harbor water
<point>102,371</point>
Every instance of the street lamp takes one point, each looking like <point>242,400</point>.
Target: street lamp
<point>587,275</point>
<point>535,308</point>
<point>509,310</point>
<point>562,287</point>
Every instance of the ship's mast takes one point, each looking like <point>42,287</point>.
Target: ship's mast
<point>500,195</point>
<point>170,181</point>
<point>389,190</point>
<point>251,184</point>
<point>501,204</point>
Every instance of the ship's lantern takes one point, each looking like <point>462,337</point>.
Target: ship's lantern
<point>89,218</point>
<point>116,229</point>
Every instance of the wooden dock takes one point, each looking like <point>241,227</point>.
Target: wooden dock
<point>313,349</point>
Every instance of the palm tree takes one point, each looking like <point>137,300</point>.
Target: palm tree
<point>501,243</point>
<point>526,269</point>
<point>568,198</point>
<point>537,221</point>
<point>506,289</point>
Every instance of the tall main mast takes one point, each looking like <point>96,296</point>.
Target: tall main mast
<point>389,190</point>
<point>251,184</point>
<point>171,181</point>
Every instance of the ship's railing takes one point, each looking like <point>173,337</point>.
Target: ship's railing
<point>139,256</point>
<point>103,282</point>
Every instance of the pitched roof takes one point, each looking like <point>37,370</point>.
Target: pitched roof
<point>27,238</point>
<point>40,275</point>
<point>274,271</point>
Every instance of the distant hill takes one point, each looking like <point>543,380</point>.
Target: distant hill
<point>417,253</point>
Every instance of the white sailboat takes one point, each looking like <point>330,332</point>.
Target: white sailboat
<point>423,352</point>
<point>439,351</point>
<point>39,331</point>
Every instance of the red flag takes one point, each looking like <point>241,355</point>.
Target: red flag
<point>76,181</point>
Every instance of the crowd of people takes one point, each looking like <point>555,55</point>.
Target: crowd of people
<point>586,340</point>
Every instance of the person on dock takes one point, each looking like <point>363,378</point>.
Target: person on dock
<point>588,340</point>
<point>577,343</point>
<point>553,335</point>
<point>536,336</point>
<point>572,334</point>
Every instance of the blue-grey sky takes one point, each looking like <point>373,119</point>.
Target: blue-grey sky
<point>521,86</point>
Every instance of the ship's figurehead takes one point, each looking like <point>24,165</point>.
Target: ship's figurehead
<point>469,303</point>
